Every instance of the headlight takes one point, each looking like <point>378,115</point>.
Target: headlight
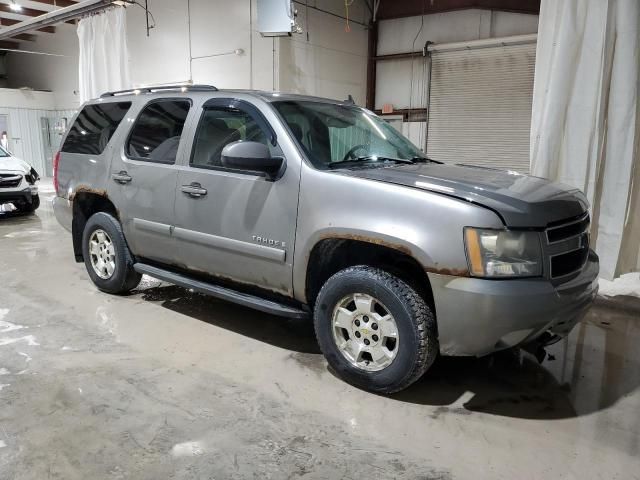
<point>503,253</point>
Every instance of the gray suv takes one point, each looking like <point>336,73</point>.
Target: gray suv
<point>313,208</point>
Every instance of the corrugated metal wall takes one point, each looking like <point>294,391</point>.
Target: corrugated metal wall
<point>25,134</point>
<point>480,106</point>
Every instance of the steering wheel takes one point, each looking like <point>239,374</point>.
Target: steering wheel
<point>351,154</point>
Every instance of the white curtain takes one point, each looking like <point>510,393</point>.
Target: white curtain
<point>585,125</point>
<point>104,60</point>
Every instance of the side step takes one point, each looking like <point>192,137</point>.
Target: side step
<point>223,293</point>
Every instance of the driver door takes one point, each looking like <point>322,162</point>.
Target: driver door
<point>234,224</point>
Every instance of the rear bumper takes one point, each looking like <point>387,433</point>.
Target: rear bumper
<point>477,316</point>
<point>62,208</point>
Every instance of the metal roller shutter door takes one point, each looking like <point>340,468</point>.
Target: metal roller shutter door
<point>480,106</point>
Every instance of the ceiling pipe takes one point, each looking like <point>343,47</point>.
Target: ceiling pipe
<point>431,47</point>
<point>54,17</point>
<point>483,43</point>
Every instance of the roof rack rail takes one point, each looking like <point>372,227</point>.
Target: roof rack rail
<point>139,90</point>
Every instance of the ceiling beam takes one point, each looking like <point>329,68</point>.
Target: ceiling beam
<point>10,21</point>
<point>57,3</point>
<point>411,8</point>
<point>9,45</point>
<point>66,14</point>
<point>27,37</point>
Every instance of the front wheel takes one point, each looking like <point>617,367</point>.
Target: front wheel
<point>106,255</point>
<point>375,331</point>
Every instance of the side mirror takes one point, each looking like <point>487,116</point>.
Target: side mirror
<point>253,156</point>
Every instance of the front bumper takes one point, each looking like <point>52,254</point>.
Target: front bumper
<point>17,197</point>
<point>478,316</point>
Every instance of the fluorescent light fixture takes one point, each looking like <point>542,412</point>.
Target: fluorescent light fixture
<point>15,7</point>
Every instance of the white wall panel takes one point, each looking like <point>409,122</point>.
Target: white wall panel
<point>229,71</point>
<point>25,135</point>
<point>329,62</point>
<point>397,35</point>
<point>506,24</point>
<point>402,82</point>
<point>41,72</point>
<point>163,56</point>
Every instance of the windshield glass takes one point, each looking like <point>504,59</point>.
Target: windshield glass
<point>332,133</point>
<point>3,153</point>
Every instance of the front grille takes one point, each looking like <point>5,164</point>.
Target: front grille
<point>568,263</point>
<point>9,180</point>
<point>568,246</point>
<point>568,230</point>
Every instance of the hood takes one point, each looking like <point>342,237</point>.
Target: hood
<point>521,200</point>
<point>13,164</point>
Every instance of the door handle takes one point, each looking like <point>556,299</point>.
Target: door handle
<point>194,190</point>
<point>121,177</point>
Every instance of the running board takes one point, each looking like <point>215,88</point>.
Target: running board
<point>222,293</point>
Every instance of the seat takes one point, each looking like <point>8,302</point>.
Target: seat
<point>213,136</point>
<point>166,152</point>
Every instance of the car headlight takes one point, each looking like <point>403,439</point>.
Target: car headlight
<point>503,253</point>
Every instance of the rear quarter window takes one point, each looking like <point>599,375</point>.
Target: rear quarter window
<point>94,127</point>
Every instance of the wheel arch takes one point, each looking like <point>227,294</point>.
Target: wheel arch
<point>87,202</point>
<point>331,254</point>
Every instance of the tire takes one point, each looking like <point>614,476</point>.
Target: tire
<point>416,343</point>
<point>121,277</point>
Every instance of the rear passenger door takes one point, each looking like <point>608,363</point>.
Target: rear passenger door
<point>144,176</point>
<point>230,223</point>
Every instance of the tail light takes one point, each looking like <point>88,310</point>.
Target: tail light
<point>56,161</point>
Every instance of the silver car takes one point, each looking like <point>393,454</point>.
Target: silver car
<point>18,184</point>
<point>314,208</point>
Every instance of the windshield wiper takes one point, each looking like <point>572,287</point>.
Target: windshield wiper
<point>369,158</point>
<point>424,160</point>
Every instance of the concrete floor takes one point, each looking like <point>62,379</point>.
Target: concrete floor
<point>166,384</point>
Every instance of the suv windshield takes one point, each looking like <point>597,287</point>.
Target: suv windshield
<point>340,135</point>
<point>4,153</point>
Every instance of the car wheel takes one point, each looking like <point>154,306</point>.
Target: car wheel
<point>375,331</point>
<point>106,255</point>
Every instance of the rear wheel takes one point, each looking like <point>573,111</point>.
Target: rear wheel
<point>375,330</point>
<point>106,255</point>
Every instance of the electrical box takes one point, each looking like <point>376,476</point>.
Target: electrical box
<point>275,17</point>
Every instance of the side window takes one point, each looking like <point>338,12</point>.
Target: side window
<point>94,127</point>
<point>219,127</point>
<point>156,134</point>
